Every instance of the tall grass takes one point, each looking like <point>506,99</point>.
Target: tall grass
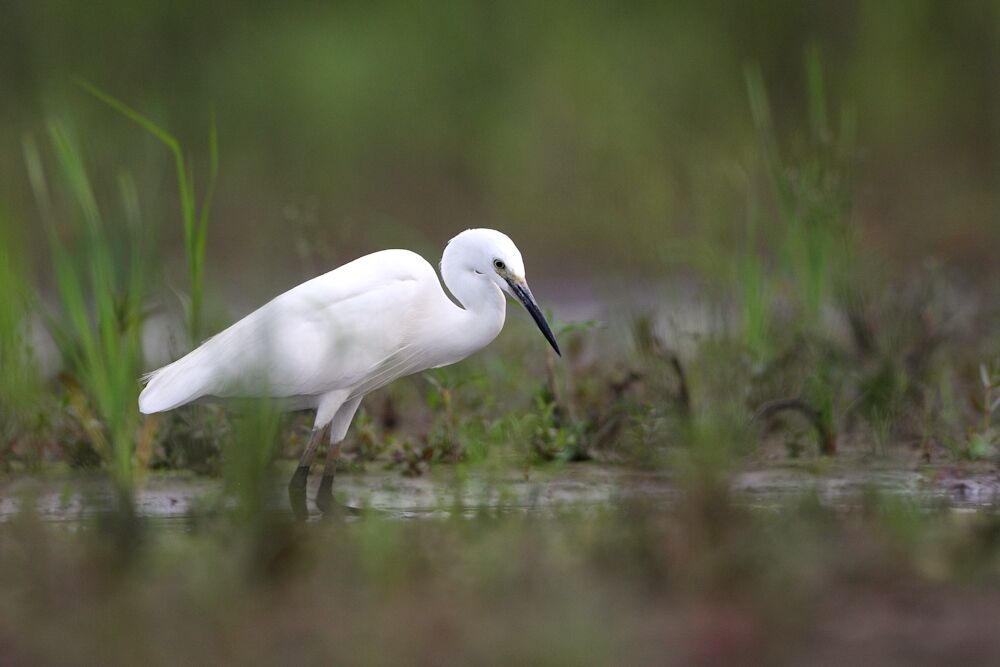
<point>194,216</point>
<point>19,385</point>
<point>778,237</point>
<point>811,193</point>
<point>100,273</point>
<point>755,287</point>
<point>248,459</point>
<point>781,244</point>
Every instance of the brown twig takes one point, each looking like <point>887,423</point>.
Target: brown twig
<point>619,387</point>
<point>650,343</point>
<point>604,427</point>
<point>827,439</point>
<point>683,394</point>
<point>861,329</point>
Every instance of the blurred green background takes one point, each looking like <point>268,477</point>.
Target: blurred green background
<point>805,194</point>
<point>601,136</point>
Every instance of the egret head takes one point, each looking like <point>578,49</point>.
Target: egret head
<point>491,255</point>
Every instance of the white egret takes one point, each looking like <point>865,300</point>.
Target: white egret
<point>328,342</point>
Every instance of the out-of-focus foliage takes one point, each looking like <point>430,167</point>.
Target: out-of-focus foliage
<point>19,385</point>
<point>101,286</point>
<point>599,125</point>
<point>773,151</point>
<point>704,582</point>
<point>792,164</point>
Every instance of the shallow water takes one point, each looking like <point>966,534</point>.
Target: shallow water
<point>577,486</point>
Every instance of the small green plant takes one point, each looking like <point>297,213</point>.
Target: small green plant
<point>554,437</point>
<point>367,444</point>
<point>443,439</point>
<point>412,459</point>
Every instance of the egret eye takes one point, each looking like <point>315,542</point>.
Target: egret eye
<point>499,265</point>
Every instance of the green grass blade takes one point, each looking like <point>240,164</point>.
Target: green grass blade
<point>194,220</point>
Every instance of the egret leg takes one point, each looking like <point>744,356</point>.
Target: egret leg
<point>297,486</point>
<point>324,495</point>
<point>338,430</point>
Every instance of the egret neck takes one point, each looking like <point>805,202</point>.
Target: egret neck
<point>479,316</point>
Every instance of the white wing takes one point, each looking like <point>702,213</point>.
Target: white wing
<point>352,328</point>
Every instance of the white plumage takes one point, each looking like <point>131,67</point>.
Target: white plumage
<point>329,341</point>
<point>313,339</point>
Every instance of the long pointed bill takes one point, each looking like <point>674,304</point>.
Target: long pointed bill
<point>524,295</point>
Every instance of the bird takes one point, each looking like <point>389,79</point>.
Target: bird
<point>328,342</point>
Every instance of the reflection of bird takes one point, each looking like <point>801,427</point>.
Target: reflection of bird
<point>333,339</point>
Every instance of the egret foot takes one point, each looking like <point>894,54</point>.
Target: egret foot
<point>297,493</point>
<point>328,505</point>
<point>324,495</point>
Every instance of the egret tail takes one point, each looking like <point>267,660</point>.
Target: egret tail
<point>187,379</point>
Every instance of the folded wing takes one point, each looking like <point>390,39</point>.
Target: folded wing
<point>352,328</point>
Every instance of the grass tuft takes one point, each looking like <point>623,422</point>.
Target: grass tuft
<point>101,282</point>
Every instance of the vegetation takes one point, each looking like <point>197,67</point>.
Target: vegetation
<point>705,581</point>
<point>797,334</point>
<point>797,244</point>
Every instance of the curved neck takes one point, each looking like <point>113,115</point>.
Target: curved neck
<point>474,292</point>
<point>483,306</point>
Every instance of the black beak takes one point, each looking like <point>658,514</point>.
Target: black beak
<point>525,296</point>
